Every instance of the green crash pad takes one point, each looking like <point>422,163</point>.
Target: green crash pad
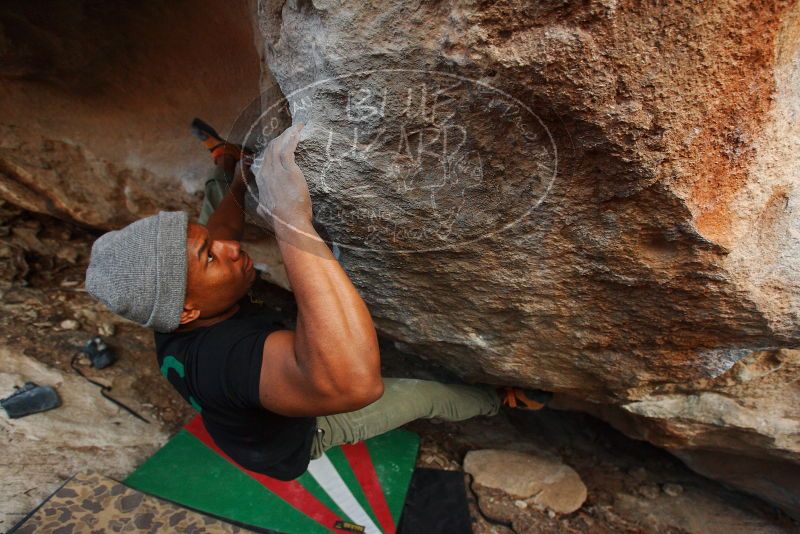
<point>352,488</point>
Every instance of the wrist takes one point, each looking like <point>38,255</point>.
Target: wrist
<point>293,223</point>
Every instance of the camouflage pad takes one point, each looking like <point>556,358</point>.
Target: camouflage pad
<point>92,503</point>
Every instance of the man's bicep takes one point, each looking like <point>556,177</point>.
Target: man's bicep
<point>283,386</point>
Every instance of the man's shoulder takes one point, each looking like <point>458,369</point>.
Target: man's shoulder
<point>219,364</point>
<point>228,332</point>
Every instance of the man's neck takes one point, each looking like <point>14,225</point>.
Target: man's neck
<point>208,321</point>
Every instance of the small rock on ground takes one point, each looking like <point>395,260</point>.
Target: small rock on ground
<point>545,482</point>
<point>70,324</point>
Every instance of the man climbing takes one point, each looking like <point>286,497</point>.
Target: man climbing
<point>271,399</point>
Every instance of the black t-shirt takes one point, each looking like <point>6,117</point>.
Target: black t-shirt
<point>217,370</point>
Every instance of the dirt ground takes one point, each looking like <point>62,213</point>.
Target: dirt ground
<point>47,316</point>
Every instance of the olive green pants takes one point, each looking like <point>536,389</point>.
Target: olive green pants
<point>216,187</point>
<point>403,401</point>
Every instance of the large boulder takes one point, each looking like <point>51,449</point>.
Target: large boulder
<point>598,199</point>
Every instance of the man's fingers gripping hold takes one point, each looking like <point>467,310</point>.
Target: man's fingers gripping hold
<point>291,137</point>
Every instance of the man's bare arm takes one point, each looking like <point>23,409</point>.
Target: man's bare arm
<point>331,363</point>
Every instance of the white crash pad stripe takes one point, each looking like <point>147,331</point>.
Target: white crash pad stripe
<point>329,479</point>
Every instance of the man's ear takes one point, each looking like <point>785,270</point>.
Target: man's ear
<point>189,314</point>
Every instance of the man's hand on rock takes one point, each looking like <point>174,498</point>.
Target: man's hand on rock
<point>282,188</point>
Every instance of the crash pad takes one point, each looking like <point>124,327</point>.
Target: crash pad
<point>436,504</point>
<point>352,488</point>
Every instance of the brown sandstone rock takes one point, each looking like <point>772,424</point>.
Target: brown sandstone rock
<point>741,428</point>
<point>544,482</point>
<point>665,250</point>
<point>632,270</point>
<point>97,100</point>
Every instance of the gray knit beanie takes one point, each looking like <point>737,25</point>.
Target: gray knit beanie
<point>139,272</point>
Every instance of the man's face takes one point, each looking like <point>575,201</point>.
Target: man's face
<point>219,272</point>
